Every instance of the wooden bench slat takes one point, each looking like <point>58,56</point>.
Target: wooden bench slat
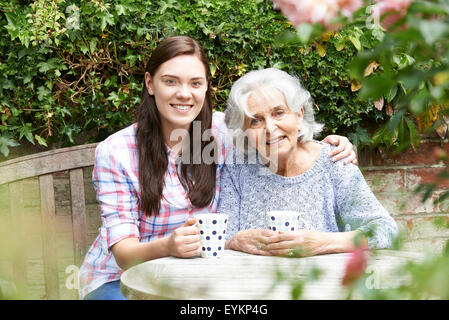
<point>49,236</point>
<point>18,238</point>
<point>78,215</point>
<point>47,162</point>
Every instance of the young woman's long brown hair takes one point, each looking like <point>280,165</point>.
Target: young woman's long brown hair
<point>198,179</point>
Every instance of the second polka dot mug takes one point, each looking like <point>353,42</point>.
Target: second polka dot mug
<point>283,220</point>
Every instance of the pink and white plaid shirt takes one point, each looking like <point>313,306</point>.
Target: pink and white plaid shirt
<point>116,180</point>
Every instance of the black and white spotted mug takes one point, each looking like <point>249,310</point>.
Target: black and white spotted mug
<point>212,228</point>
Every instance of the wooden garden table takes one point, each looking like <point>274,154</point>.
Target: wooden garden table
<point>239,276</point>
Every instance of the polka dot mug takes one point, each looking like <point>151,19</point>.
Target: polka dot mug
<point>212,229</point>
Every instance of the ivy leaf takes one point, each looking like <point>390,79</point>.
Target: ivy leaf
<point>7,84</point>
<point>12,28</point>
<point>27,132</point>
<point>377,32</point>
<point>6,142</point>
<point>120,9</point>
<point>339,43</point>
<point>355,36</point>
<point>93,45</point>
<point>27,78</point>
<point>403,60</point>
<point>356,42</point>
<point>414,134</point>
<point>40,140</point>
<point>43,67</point>
<point>213,69</point>
<point>320,49</point>
<point>106,19</point>
<point>361,136</point>
<point>42,93</point>
<point>48,65</point>
<point>70,131</point>
<point>83,48</point>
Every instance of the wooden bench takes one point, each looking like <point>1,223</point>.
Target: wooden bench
<point>21,209</point>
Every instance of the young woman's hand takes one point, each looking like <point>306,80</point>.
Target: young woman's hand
<point>344,149</point>
<point>184,242</point>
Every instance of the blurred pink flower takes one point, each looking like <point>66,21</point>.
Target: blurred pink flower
<point>355,267</point>
<point>396,9</point>
<point>313,11</point>
<point>348,7</point>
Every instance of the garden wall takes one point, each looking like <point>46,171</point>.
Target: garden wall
<point>393,178</point>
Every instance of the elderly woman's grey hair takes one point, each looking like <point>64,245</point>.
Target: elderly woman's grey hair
<point>295,95</point>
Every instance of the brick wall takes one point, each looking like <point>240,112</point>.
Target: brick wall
<point>393,179</point>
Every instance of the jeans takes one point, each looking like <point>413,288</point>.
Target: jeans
<point>107,291</point>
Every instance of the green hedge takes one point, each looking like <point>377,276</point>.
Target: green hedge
<point>71,71</point>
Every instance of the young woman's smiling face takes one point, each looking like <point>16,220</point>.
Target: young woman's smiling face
<point>179,87</point>
<point>273,129</point>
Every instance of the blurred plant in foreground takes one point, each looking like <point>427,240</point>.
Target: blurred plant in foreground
<point>422,277</point>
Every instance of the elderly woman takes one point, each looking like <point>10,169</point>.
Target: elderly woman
<point>283,168</point>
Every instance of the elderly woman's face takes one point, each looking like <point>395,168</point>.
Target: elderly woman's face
<point>274,128</point>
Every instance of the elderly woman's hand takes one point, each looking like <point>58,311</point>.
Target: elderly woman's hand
<point>306,243</point>
<point>303,243</point>
<point>251,241</point>
<point>344,149</point>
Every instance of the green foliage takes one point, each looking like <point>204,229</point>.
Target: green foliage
<point>72,71</point>
<point>324,69</point>
<point>413,77</point>
<point>413,71</point>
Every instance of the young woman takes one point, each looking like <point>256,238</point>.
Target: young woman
<point>149,178</point>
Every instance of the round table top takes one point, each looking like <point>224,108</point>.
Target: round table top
<point>239,276</point>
